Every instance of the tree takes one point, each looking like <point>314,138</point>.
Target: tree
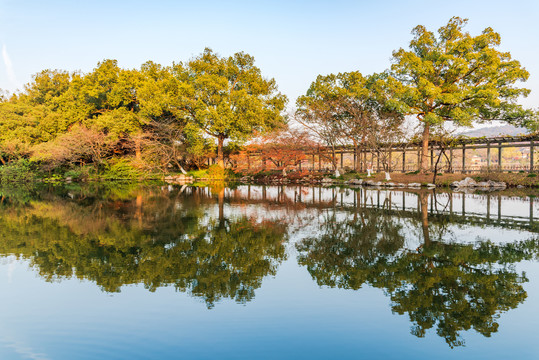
<point>283,148</point>
<point>228,98</point>
<point>350,107</point>
<point>459,78</point>
<point>382,126</point>
<point>320,111</point>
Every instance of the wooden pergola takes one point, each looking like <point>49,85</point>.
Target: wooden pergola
<point>401,155</point>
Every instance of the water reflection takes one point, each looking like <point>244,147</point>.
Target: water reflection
<point>157,238</point>
<point>218,242</point>
<point>441,284</point>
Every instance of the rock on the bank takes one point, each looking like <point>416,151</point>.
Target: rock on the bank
<point>355,182</point>
<point>471,183</point>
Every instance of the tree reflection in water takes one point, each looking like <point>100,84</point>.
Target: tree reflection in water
<point>157,239</point>
<point>443,284</point>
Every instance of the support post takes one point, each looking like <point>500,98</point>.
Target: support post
<point>418,158</point>
<point>500,156</point>
<point>403,161</point>
<point>342,159</point>
<point>531,156</point>
<point>488,156</point>
<point>463,159</point>
<point>451,160</point>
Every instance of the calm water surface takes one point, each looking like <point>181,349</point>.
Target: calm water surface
<point>251,272</point>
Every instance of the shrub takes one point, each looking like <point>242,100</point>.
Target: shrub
<point>17,171</point>
<point>120,169</point>
<point>216,172</point>
<point>532,175</point>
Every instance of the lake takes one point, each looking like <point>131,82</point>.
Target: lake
<point>130,271</point>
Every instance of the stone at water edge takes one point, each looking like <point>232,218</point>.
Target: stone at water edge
<point>431,186</point>
<point>497,184</point>
<point>471,183</point>
<point>369,183</point>
<point>355,182</point>
<point>468,182</point>
<point>414,185</point>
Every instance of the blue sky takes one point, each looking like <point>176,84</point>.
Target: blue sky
<point>292,41</point>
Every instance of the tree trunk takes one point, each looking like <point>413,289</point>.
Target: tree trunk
<point>425,217</point>
<point>357,158</point>
<point>221,200</point>
<point>425,149</point>
<point>220,154</point>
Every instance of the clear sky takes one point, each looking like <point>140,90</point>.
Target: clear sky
<point>292,41</point>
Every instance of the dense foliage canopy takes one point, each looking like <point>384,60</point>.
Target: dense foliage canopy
<point>167,117</point>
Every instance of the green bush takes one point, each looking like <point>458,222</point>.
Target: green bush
<point>18,171</point>
<point>216,172</point>
<point>120,169</point>
<point>532,175</point>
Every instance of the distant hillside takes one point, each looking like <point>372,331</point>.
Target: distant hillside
<point>495,131</point>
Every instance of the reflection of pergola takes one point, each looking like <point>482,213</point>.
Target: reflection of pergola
<point>405,156</point>
<point>443,207</point>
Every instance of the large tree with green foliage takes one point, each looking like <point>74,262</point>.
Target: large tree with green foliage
<point>352,108</point>
<point>460,78</point>
<point>228,98</point>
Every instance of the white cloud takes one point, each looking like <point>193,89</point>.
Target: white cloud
<point>12,78</point>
